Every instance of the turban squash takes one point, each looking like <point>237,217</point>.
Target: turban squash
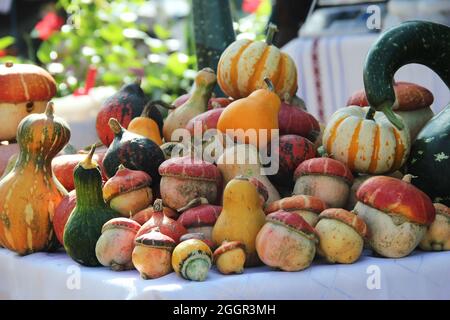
<point>244,64</point>
<point>366,145</point>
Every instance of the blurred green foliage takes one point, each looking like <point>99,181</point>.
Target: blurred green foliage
<point>109,35</point>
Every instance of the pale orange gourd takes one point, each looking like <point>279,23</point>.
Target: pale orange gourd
<point>30,193</point>
<point>258,111</point>
<point>146,126</point>
<point>244,64</point>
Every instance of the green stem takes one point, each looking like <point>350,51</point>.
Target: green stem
<point>271,30</point>
<point>370,114</point>
<point>269,84</point>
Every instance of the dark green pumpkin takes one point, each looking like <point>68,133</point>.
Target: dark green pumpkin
<point>420,42</point>
<point>134,151</point>
<point>85,223</point>
<point>429,161</point>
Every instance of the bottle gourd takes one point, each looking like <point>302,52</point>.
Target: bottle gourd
<point>30,193</point>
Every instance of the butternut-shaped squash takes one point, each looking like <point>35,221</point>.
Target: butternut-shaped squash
<point>30,193</point>
<point>241,218</point>
<point>243,159</point>
<point>256,115</point>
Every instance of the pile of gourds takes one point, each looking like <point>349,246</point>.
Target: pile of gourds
<point>138,204</point>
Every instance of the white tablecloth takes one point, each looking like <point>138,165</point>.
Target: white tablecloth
<point>330,69</point>
<point>55,276</point>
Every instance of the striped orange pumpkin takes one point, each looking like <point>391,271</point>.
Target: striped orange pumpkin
<point>371,146</point>
<point>245,63</point>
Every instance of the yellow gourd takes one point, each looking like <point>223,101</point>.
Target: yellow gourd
<point>241,218</point>
<point>146,126</point>
<point>259,112</point>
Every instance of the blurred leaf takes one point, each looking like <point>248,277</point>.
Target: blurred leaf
<point>5,42</point>
<point>161,32</point>
<point>177,63</point>
<point>43,52</point>
<point>112,33</point>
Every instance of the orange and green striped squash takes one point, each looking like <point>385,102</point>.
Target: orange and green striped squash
<point>244,64</point>
<point>366,145</point>
<point>30,193</point>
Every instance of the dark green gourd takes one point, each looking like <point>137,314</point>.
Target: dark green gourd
<point>213,30</point>
<point>420,42</point>
<point>134,151</point>
<point>426,43</point>
<point>429,162</point>
<point>90,214</point>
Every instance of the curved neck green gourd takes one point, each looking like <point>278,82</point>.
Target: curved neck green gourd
<point>420,42</point>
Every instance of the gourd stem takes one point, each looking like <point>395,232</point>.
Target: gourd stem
<point>269,84</point>
<point>271,30</point>
<point>49,109</point>
<point>194,203</point>
<point>138,81</point>
<point>115,125</point>
<point>152,104</point>
<point>158,205</point>
<point>121,167</point>
<point>370,114</point>
<point>408,177</point>
<point>88,163</point>
<point>390,115</point>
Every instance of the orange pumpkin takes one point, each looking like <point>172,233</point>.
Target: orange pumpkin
<point>30,193</point>
<point>244,65</point>
<point>365,143</point>
<point>259,111</point>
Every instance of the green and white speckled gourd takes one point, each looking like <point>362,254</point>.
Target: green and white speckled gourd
<point>425,43</point>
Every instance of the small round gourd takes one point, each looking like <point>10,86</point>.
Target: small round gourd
<point>286,242</point>
<point>341,235</point>
<point>192,259</point>
<point>230,257</point>
<point>437,237</point>
<point>128,191</point>
<point>115,245</point>
<point>152,254</point>
<point>325,178</point>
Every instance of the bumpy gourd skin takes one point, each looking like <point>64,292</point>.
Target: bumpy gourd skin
<point>437,237</point>
<point>338,242</point>
<point>391,236</point>
<point>420,42</point>
<point>84,226</point>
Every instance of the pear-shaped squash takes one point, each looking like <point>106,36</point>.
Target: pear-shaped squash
<point>29,194</point>
<point>255,115</point>
<point>134,151</point>
<point>146,126</point>
<point>85,223</point>
<point>196,104</point>
<point>243,159</point>
<point>241,218</point>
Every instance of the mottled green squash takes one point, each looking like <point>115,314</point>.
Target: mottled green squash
<point>85,223</point>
